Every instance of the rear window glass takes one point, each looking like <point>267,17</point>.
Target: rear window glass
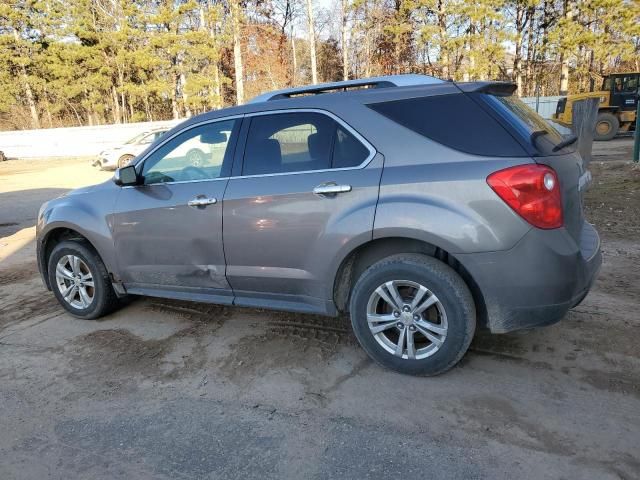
<point>455,121</point>
<point>530,126</point>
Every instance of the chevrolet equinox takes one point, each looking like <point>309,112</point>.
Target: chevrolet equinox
<point>420,207</point>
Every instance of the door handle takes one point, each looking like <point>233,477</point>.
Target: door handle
<point>331,189</point>
<point>201,201</point>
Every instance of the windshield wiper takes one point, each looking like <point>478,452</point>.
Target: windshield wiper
<point>565,143</point>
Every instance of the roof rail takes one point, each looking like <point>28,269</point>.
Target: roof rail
<point>374,82</point>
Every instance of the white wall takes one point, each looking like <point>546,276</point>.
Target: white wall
<point>71,141</point>
<point>546,105</point>
<point>89,141</point>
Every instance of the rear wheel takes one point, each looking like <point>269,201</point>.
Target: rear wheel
<point>80,281</point>
<point>125,160</point>
<point>607,126</point>
<point>413,314</point>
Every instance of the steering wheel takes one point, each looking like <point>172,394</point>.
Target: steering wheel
<point>194,173</point>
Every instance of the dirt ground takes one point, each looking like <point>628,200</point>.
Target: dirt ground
<point>165,389</point>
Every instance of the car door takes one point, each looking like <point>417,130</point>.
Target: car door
<point>168,230</point>
<point>625,92</point>
<point>306,190</point>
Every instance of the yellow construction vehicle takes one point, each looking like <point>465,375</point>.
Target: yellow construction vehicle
<point>618,104</point>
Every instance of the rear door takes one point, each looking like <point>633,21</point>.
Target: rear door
<point>306,188</point>
<point>168,231</point>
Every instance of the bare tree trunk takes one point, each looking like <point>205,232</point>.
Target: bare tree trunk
<point>237,51</point>
<point>47,108</point>
<point>174,97</point>
<point>49,118</point>
<point>345,47</point>
<point>123,107</point>
<point>217,88</point>
<point>522,16</point>
<point>367,42</point>
<point>147,110</point>
<point>312,43</point>
<point>295,58</point>
<point>123,104</point>
<point>530,51</point>
<point>564,57</point>
<point>116,105</point>
<point>35,119</point>
<point>466,75</point>
<point>185,97</point>
<point>442,37</point>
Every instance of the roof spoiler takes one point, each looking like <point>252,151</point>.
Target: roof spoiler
<point>372,82</point>
<point>500,89</point>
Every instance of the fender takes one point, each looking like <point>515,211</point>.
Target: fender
<point>88,214</point>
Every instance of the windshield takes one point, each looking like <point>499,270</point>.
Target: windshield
<point>136,138</point>
<point>531,126</point>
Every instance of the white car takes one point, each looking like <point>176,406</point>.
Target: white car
<point>122,155</point>
<point>194,152</point>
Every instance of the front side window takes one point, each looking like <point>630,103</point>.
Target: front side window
<point>199,153</point>
<point>301,141</point>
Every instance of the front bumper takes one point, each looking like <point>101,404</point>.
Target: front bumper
<point>537,281</point>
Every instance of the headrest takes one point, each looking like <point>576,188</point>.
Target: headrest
<point>319,146</point>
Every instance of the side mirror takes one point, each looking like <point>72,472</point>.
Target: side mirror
<point>126,176</point>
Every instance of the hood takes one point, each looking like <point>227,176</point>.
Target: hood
<point>91,188</point>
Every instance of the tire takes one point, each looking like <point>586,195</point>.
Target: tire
<point>125,160</point>
<point>103,298</point>
<point>607,125</point>
<point>452,296</point>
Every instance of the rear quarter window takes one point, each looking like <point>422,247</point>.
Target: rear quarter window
<point>453,120</point>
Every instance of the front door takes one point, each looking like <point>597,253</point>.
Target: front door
<point>307,191</point>
<point>168,231</point>
<point>625,92</point>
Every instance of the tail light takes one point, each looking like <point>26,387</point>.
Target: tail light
<point>532,191</point>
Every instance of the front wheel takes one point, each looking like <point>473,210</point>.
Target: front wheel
<point>413,314</point>
<point>80,281</point>
<point>607,125</point>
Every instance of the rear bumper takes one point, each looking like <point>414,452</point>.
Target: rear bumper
<point>537,281</point>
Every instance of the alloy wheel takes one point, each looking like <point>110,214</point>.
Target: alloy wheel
<point>407,319</point>
<point>75,281</point>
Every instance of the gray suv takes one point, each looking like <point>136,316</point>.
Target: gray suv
<point>422,208</point>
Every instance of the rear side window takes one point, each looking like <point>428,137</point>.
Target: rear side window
<point>455,121</point>
<point>297,142</point>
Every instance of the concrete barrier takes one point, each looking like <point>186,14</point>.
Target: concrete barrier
<point>72,141</point>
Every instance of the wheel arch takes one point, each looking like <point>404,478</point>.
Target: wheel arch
<point>53,237</point>
<point>370,252</point>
